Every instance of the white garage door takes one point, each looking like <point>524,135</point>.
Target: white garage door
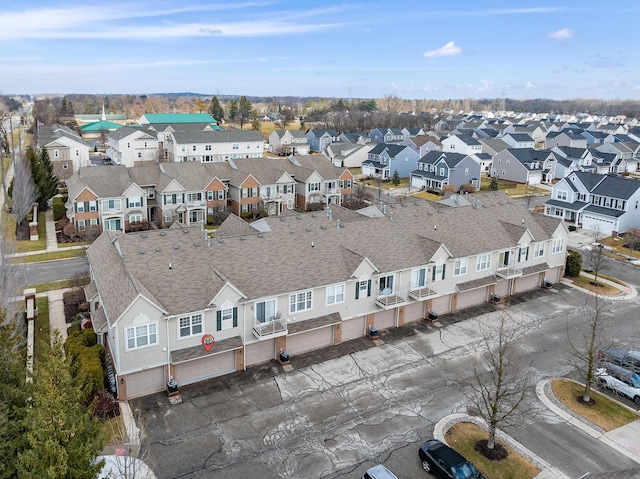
<point>441,304</point>
<point>502,288</point>
<point>205,368</point>
<point>310,340</point>
<point>145,382</point>
<point>534,179</point>
<point>594,223</point>
<point>414,312</point>
<point>553,275</point>
<point>260,352</point>
<point>471,297</point>
<point>525,283</point>
<point>353,328</point>
<point>385,319</point>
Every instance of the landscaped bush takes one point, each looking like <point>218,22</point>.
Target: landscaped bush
<point>59,210</point>
<point>572,228</point>
<point>103,404</point>
<point>574,264</point>
<point>87,360</point>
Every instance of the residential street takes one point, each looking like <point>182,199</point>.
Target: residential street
<point>341,410</point>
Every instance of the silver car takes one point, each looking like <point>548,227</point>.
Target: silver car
<point>621,381</point>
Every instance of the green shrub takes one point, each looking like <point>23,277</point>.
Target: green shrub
<point>574,264</point>
<point>87,359</point>
<point>59,210</point>
<point>572,228</point>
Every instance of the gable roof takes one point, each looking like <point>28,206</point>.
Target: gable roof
<point>170,118</point>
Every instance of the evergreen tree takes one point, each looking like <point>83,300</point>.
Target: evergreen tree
<point>493,186</point>
<point>232,109</point>
<point>245,111</point>
<point>62,439</point>
<point>44,179</point>
<point>13,395</point>
<point>396,178</point>
<point>216,109</point>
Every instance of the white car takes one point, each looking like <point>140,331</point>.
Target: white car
<point>620,381</point>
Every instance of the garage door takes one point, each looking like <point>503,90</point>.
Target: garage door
<point>441,304</point>
<point>145,382</point>
<point>553,275</point>
<point>385,319</point>
<point>260,352</point>
<point>594,223</point>
<point>310,340</point>
<point>525,283</point>
<point>471,297</point>
<point>502,288</point>
<point>414,312</point>
<point>205,368</point>
<point>353,328</point>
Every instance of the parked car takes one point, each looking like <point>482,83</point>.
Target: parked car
<point>626,384</point>
<point>445,463</point>
<point>379,472</point>
<point>629,359</point>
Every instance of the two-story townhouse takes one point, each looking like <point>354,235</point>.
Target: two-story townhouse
<point>437,169</point>
<point>603,203</point>
<point>67,150</point>
<point>318,139</point>
<point>131,146</point>
<point>524,165</point>
<point>171,306</point>
<point>214,146</point>
<point>422,144</point>
<point>288,142</point>
<point>518,140</point>
<point>385,159</point>
<point>347,155</point>
<point>463,144</point>
<point>386,135</point>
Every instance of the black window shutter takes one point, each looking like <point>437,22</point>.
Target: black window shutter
<point>369,288</point>
<point>358,290</point>
<point>235,317</point>
<point>444,268</point>
<point>218,320</point>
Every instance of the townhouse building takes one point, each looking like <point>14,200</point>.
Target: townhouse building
<point>384,159</point>
<point>174,305</point>
<point>131,146</point>
<point>288,142</point>
<point>463,144</point>
<point>318,139</point>
<point>437,169</point>
<point>210,146</point>
<point>67,150</point>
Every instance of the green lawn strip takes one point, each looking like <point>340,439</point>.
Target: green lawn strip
<point>605,413</point>
<point>585,282</point>
<point>25,246</point>
<point>64,254</point>
<point>463,436</point>
<point>616,244</point>
<point>428,196</point>
<point>41,336</point>
<point>62,284</point>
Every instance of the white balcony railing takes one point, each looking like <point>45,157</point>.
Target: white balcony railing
<point>391,300</point>
<point>270,329</point>
<point>512,270</point>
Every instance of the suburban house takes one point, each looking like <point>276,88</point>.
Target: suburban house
<point>384,159</point>
<point>319,139</point>
<point>622,151</point>
<point>67,150</point>
<point>210,146</point>
<point>463,144</point>
<point>565,138</point>
<point>492,146</point>
<point>594,137</point>
<point>524,165</point>
<point>348,155</point>
<point>172,305</point>
<point>412,132</point>
<point>485,161</point>
<point>288,142</point>
<point>437,169</point>
<point>386,135</point>
<point>422,144</point>
<point>131,146</point>
<point>518,140</point>
<point>355,138</point>
<point>603,203</point>
<point>571,159</point>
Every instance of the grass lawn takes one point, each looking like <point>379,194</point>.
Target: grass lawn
<point>616,244</point>
<point>428,196</point>
<point>62,284</point>
<point>585,282</point>
<point>463,436</point>
<point>65,254</point>
<point>605,413</point>
<point>9,227</point>
<point>41,336</point>
<point>511,188</point>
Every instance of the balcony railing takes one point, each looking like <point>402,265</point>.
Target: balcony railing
<point>269,329</point>
<point>510,271</point>
<point>422,293</point>
<point>195,203</point>
<point>392,300</point>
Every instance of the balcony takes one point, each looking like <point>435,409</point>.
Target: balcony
<point>195,203</point>
<point>271,329</point>
<point>422,293</point>
<point>392,300</point>
<point>510,271</point>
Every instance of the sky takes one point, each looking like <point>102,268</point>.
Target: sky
<point>340,49</point>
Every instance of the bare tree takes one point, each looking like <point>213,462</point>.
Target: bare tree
<point>529,195</point>
<point>23,196</point>
<point>499,383</point>
<point>589,341</point>
<point>596,256</point>
<point>632,240</point>
<point>131,458</point>
<point>8,276</point>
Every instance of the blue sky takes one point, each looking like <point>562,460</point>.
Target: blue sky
<point>369,49</point>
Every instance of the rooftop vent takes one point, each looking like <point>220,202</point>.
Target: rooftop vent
<point>323,227</point>
<point>282,218</point>
<point>241,238</point>
<point>162,233</point>
<point>144,235</point>
<point>196,244</point>
<point>141,251</point>
<point>157,250</point>
<point>220,240</point>
<point>260,235</point>
<point>185,230</point>
<point>176,247</point>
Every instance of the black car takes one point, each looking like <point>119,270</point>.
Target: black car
<point>445,463</point>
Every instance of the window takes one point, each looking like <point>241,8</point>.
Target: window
<point>93,222</point>
<point>418,278</point>
<point>151,193</point>
<point>558,246</point>
<point>538,250</point>
<point>209,195</point>
<point>135,218</point>
<point>314,186</point>
<point>266,311</point>
<point>300,301</point>
<point>207,147</point>
<point>503,259</point>
<point>134,202</point>
<point>194,197</point>
<point>142,335</point>
<point>335,294</point>
<point>441,171</point>
<point>385,285</point>
<point>235,146</point>
<point>113,224</point>
<point>523,254</point>
<point>93,205</point>
<point>80,207</point>
<point>193,148</point>
<point>56,153</point>
<point>183,148</point>
<point>168,216</point>
<point>190,325</point>
<point>221,194</point>
<point>561,195</point>
<point>227,318</point>
<point>80,225</point>
<point>483,262</point>
<point>438,272</point>
<point>460,267</point>
<point>108,205</point>
<point>363,289</point>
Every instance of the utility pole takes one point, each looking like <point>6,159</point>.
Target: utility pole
<point>13,152</point>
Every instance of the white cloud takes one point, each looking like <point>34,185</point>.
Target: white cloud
<point>485,85</point>
<point>562,34</point>
<point>450,49</point>
<point>530,86</point>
